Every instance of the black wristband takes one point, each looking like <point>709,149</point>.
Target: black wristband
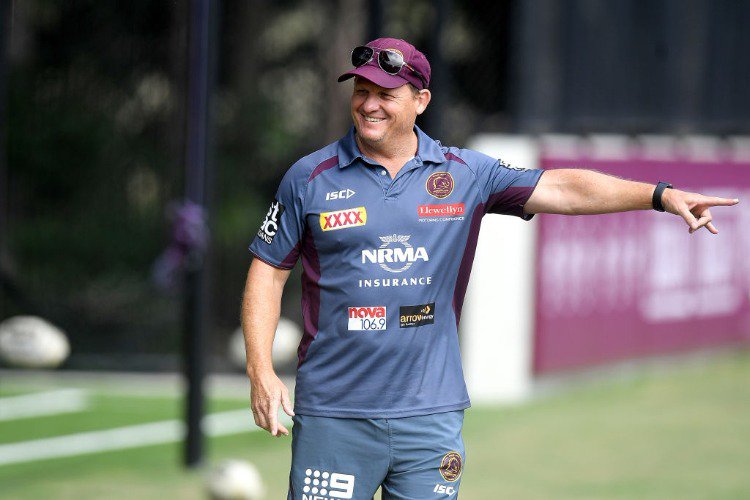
<point>656,198</point>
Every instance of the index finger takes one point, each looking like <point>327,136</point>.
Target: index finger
<point>282,430</point>
<point>276,428</point>
<point>724,202</point>
<point>273,417</point>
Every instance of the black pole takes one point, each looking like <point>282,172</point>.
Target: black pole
<point>374,19</point>
<point>4,35</point>
<point>197,147</point>
<point>440,78</point>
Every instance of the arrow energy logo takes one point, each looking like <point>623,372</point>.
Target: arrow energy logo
<point>410,316</point>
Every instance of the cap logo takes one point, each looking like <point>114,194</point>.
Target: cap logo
<point>440,185</point>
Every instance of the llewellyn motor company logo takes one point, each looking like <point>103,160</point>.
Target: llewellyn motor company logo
<point>440,185</point>
<point>441,213</point>
<point>396,254</point>
<point>450,466</point>
<point>423,314</point>
<point>343,219</point>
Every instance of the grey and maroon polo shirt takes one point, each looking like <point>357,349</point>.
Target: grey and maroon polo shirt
<point>385,266</point>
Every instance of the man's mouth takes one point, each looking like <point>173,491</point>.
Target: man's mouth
<point>373,120</point>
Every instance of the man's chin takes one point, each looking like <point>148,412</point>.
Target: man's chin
<point>369,137</point>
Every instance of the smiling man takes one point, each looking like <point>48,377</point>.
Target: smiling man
<point>385,221</point>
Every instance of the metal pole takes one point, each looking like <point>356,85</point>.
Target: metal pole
<point>199,88</point>
<point>440,78</point>
<point>375,10</point>
<point>4,35</point>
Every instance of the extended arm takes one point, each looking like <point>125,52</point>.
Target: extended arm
<point>583,192</point>
<point>261,306</point>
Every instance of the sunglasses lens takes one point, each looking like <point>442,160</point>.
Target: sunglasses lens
<point>361,55</point>
<point>390,62</point>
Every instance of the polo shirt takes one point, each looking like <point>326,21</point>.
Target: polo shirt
<point>385,265</point>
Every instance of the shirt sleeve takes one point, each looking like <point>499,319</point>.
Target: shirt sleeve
<point>506,188</point>
<point>277,242</point>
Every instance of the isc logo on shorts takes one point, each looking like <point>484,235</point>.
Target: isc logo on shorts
<point>367,318</point>
<point>445,489</point>
<point>342,219</point>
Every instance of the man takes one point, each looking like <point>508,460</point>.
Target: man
<point>386,221</point>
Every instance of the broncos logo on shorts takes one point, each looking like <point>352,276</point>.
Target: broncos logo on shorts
<point>450,466</point>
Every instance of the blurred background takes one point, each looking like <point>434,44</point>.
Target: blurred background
<point>95,237</point>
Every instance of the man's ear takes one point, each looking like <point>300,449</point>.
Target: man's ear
<point>423,97</point>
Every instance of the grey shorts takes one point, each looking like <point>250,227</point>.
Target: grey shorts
<point>418,457</point>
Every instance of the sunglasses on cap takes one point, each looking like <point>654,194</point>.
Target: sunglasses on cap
<point>389,60</point>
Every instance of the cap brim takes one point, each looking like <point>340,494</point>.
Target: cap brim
<point>376,76</point>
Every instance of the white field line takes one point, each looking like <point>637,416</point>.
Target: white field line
<point>41,404</point>
<point>132,436</point>
<point>133,384</point>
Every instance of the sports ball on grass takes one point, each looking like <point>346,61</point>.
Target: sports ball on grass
<point>235,480</point>
<point>32,342</point>
<point>285,343</point>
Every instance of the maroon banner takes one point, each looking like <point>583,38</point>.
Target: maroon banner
<point>619,286</point>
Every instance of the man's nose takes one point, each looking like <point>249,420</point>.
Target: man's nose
<point>372,103</point>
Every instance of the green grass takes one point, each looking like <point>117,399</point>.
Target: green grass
<point>106,412</point>
<point>682,433</point>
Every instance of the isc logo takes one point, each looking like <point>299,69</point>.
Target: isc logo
<point>342,219</point>
<point>344,194</point>
<point>445,490</point>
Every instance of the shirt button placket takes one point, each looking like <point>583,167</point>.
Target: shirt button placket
<point>385,181</point>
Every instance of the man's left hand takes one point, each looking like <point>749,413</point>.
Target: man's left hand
<point>694,207</point>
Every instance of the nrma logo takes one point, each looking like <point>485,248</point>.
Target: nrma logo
<point>395,249</point>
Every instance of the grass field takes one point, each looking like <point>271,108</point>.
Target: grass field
<point>677,433</point>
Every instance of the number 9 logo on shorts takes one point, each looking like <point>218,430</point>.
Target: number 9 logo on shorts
<point>324,484</point>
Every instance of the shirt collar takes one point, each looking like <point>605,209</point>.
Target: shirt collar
<point>428,149</point>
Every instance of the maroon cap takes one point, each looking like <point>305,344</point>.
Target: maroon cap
<point>414,58</point>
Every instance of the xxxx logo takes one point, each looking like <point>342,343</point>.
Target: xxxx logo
<point>341,219</point>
